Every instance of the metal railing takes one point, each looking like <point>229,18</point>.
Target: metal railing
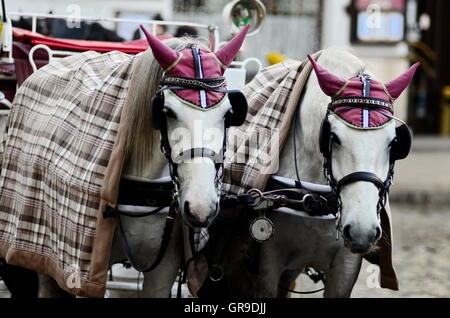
<point>211,28</point>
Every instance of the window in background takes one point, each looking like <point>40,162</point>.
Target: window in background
<point>377,21</point>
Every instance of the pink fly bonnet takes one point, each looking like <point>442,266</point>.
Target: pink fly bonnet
<point>195,63</point>
<point>376,97</point>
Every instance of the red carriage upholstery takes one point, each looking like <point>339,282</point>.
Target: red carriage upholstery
<point>33,38</point>
<point>24,40</point>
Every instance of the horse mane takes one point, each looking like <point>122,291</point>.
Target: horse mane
<point>140,135</point>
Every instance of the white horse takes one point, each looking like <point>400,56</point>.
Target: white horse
<point>187,127</point>
<point>301,241</point>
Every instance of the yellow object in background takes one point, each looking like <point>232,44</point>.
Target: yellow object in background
<point>275,58</point>
<point>445,111</point>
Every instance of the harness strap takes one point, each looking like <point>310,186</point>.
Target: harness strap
<point>140,214</point>
<point>198,152</point>
<point>170,220</point>
<point>361,176</point>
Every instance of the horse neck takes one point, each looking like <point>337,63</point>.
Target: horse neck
<point>304,131</point>
<point>151,165</point>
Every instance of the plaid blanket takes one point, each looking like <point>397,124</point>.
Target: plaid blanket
<point>251,156</point>
<point>61,165</point>
<point>252,153</point>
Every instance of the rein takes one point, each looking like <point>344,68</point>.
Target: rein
<point>314,276</point>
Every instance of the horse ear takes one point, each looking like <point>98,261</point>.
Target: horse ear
<point>162,53</point>
<point>229,51</point>
<point>398,85</point>
<point>328,82</point>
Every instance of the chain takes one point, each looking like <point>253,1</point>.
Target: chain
<point>274,200</point>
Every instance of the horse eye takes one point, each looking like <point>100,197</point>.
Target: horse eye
<point>170,113</point>
<point>335,139</point>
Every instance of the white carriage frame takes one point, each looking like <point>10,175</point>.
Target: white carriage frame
<point>7,34</point>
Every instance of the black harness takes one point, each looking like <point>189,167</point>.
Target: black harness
<point>235,117</point>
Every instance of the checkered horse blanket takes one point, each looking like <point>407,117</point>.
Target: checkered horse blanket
<point>61,165</point>
<point>253,148</point>
<point>251,157</point>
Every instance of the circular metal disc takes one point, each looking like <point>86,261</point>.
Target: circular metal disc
<point>239,13</point>
<point>261,229</point>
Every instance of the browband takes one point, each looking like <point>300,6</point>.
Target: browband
<point>225,91</point>
<point>360,102</point>
<point>194,83</point>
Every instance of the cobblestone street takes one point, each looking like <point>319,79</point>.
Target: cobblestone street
<point>421,255</point>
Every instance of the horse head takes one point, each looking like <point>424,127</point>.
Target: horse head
<point>360,143</point>
<point>192,113</point>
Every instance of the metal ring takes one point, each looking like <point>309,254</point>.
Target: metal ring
<point>220,270</point>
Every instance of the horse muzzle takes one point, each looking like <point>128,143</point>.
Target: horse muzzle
<point>196,216</point>
<point>360,242</point>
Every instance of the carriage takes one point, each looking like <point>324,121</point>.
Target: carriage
<point>206,180</point>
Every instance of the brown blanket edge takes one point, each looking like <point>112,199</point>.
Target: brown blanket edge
<point>45,265</point>
<point>101,250</point>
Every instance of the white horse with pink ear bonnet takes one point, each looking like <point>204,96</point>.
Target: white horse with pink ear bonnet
<point>190,112</point>
<point>356,140</point>
<point>360,139</point>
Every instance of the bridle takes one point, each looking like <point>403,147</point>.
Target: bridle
<point>400,147</point>
<point>235,117</point>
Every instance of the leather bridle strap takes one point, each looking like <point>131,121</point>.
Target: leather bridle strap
<point>198,153</point>
<point>170,220</point>
<point>360,176</point>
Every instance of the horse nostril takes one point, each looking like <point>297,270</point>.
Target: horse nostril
<point>347,232</point>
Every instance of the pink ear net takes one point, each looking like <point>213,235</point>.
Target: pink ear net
<point>398,85</point>
<point>229,51</point>
<point>162,53</point>
<point>328,82</point>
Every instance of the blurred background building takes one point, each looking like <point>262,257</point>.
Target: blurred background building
<point>388,34</point>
